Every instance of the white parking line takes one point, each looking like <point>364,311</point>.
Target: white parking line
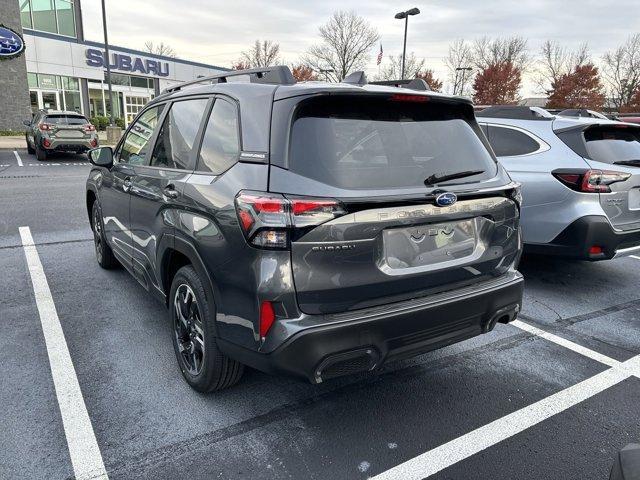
<point>81,440</point>
<point>489,435</point>
<point>15,152</point>
<point>566,343</point>
<point>463,447</point>
<point>635,256</point>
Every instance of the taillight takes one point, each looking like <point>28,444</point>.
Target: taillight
<point>46,143</point>
<point>45,127</point>
<point>89,128</point>
<point>590,181</point>
<point>93,142</point>
<point>268,220</point>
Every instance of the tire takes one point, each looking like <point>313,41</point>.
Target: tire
<point>41,154</point>
<point>30,149</point>
<point>203,366</point>
<point>104,255</point>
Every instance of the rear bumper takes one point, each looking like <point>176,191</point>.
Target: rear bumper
<point>365,339</point>
<point>70,144</point>
<point>576,240</point>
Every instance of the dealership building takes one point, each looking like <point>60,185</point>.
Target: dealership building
<point>58,69</point>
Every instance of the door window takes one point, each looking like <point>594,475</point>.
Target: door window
<point>178,134</point>
<point>507,142</point>
<point>136,143</point>
<point>221,141</point>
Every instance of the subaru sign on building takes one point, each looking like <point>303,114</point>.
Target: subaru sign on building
<point>49,65</point>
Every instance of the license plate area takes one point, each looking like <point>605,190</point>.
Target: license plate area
<point>430,247</point>
<point>69,134</point>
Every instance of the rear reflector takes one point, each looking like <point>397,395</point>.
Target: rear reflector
<point>267,317</point>
<point>590,181</point>
<point>596,250</point>
<point>46,143</point>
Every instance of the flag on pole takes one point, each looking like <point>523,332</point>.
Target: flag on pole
<point>379,61</point>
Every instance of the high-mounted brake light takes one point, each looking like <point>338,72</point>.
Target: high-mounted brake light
<point>403,97</point>
<point>269,220</point>
<point>590,181</point>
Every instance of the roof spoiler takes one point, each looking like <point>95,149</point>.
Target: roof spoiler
<point>415,84</point>
<point>515,112</point>
<point>278,75</point>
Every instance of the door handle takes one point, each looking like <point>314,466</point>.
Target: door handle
<point>170,192</point>
<point>126,185</point>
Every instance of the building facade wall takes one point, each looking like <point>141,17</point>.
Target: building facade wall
<point>14,89</point>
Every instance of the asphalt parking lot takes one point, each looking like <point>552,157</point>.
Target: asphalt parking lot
<point>554,396</point>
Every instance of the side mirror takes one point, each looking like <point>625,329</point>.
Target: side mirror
<point>26,123</point>
<point>101,156</point>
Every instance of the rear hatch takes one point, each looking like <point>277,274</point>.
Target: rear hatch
<point>613,147</point>
<point>390,240</point>
<point>68,127</point>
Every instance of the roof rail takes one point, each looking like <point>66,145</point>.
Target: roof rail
<point>356,78</point>
<point>515,112</point>
<point>415,84</point>
<point>279,75</point>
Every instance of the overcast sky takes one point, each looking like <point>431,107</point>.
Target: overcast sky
<point>215,32</point>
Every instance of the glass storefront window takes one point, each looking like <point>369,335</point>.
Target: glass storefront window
<point>33,80</point>
<point>54,16</point>
<point>70,83</point>
<point>44,15</point>
<point>25,13</point>
<point>72,101</point>
<point>48,81</point>
<point>66,20</point>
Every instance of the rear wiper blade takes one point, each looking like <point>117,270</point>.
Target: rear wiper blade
<point>435,178</point>
<point>631,163</point>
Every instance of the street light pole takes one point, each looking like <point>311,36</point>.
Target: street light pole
<point>405,16</point>
<point>107,61</point>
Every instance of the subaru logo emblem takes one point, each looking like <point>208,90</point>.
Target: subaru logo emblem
<point>446,199</point>
<point>11,43</point>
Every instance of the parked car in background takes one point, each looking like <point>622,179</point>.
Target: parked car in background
<point>580,180</point>
<point>629,119</point>
<point>59,131</point>
<point>313,229</point>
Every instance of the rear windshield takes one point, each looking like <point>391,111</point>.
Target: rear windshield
<point>363,142</point>
<point>66,120</point>
<point>613,144</point>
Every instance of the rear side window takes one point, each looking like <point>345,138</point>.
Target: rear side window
<point>176,139</point>
<point>507,142</point>
<point>613,144</point>
<point>364,142</point>
<point>221,141</point>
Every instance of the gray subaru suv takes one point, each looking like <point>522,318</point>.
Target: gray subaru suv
<point>311,229</point>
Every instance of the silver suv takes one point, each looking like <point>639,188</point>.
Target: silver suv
<point>580,180</point>
<point>59,131</point>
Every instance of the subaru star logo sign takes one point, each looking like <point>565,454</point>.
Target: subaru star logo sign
<point>446,199</point>
<point>11,44</point>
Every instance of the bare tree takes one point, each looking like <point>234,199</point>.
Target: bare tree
<point>556,61</point>
<point>159,49</point>
<point>391,71</point>
<point>459,57</point>
<point>262,54</point>
<point>488,52</point>
<point>621,70</point>
<point>346,41</point>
